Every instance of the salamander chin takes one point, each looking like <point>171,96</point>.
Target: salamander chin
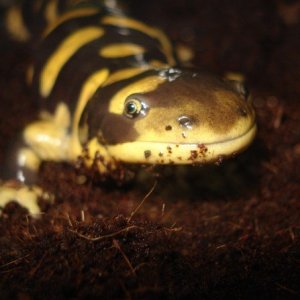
<point>182,153</point>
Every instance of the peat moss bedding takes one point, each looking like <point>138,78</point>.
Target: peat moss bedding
<point>229,231</point>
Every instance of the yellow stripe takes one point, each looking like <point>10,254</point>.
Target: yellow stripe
<point>60,56</point>
<point>158,64</point>
<point>123,74</point>
<point>15,24</point>
<point>121,50</point>
<point>51,11</point>
<point>150,83</point>
<point>151,31</point>
<point>89,88</point>
<point>82,12</point>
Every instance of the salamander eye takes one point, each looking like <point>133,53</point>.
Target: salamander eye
<point>134,107</point>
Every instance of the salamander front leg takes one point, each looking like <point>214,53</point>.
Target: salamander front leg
<point>46,139</point>
<point>20,175</point>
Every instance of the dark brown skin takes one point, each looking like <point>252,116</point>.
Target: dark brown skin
<point>193,93</point>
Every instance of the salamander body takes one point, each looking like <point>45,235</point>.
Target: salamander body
<point>112,90</point>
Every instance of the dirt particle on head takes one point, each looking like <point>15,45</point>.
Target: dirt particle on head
<point>168,128</point>
<point>194,155</point>
<point>202,149</point>
<point>147,153</point>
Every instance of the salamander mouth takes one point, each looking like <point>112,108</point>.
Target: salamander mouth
<point>241,136</point>
<point>181,153</point>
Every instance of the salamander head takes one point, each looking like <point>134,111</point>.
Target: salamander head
<point>176,116</point>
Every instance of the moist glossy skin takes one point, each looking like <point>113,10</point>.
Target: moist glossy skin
<point>111,90</point>
<point>108,85</point>
<point>175,115</point>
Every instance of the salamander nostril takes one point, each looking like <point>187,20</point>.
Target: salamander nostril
<point>242,112</point>
<point>185,122</point>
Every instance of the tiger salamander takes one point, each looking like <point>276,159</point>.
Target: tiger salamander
<point>112,90</point>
